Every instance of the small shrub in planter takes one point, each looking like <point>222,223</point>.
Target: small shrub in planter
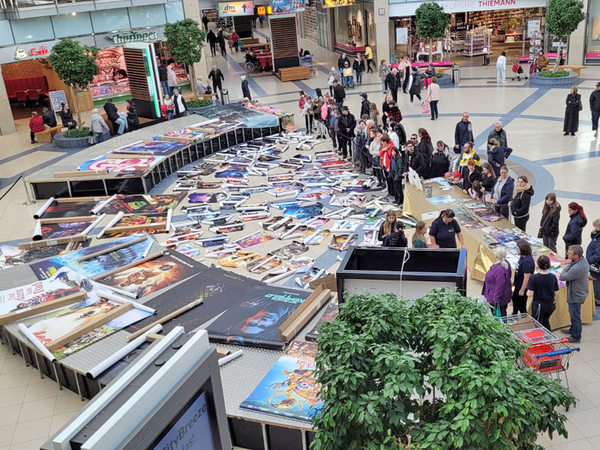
<point>199,103</point>
<point>76,133</point>
<point>551,74</point>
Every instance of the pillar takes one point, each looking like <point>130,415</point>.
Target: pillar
<point>576,51</point>
<point>7,123</point>
<point>382,30</point>
<point>192,11</point>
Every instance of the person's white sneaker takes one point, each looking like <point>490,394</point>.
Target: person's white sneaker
<point>505,82</point>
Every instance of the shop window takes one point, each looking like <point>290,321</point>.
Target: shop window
<point>37,29</point>
<point>6,36</point>
<point>593,48</point>
<point>110,20</point>
<point>112,80</point>
<point>147,16</point>
<point>67,25</point>
<point>174,11</point>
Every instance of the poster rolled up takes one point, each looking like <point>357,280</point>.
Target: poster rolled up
<point>36,343</point>
<point>43,209</point>
<point>37,233</point>
<point>93,225</point>
<point>282,276</point>
<point>115,298</point>
<point>112,223</point>
<point>169,219</point>
<point>111,360</point>
<point>96,209</point>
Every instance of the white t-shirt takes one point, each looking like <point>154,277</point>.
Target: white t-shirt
<point>501,62</point>
<point>395,139</point>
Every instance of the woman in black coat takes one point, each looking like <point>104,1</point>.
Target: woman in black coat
<point>550,221</point>
<point>571,124</point>
<point>520,204</point>
<point>575,226</point>
<point>132,117</point>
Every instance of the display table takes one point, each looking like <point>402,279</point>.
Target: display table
<point>479,256</point>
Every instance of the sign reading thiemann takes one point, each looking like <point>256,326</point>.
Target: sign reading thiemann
<point>133,36</point>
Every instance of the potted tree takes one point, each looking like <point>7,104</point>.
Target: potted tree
<point>75,65</point>
<point>432,22</point>
<point>185,40</point>
<point>437,373</point>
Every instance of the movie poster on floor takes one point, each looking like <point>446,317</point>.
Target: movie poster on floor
<point>152,276</point>
<point>95,266</point>
<point>290,388</point>
<point>59,210</point>
<point>64,283</point>
<point>150,148</point>
<point>157,224</point>
<point>218,288</point>
<point>62,229</point>
<point>256,320</point>
<point>12,256</point>
<point>133,164</point>
<point>142,204</point>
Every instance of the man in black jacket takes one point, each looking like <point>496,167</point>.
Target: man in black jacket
<point>245,88</point>
<point>217,79</point>
<point>463,133</point>
<point>339,94</point>
<point>49,117</point>
<point>365,106</point>
<point>595,108</point>
<point>162,76</point>
<point>415,161</point>
<point>394,81</point>
<point>211,37</point>
<point>344,128</point>
<point>112,114</point>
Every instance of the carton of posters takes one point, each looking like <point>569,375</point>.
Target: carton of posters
<point>62,321</point>
<point>153,275</point>
<point>12,256</point>
<point>68,209</point>
<point>142,204</point>
<point>62,284</point>
<point>121,165</point>
<point>95,266</point>
<point>218,288</point>
<point>331,312</point>
<point>290,388</point>
<point>256,320</point>
<point>150,148</point>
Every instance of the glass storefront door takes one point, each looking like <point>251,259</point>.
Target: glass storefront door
<point>323,27</point>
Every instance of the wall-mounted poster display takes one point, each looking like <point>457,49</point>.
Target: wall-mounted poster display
<point>401,36</point>
<point>287,6</point>
<point>228,9</point>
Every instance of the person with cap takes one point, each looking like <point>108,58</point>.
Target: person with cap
<point>365,105</point>
<point>576,276</point>
<point>577,222</point>
<point>339,94</point>
<point>595,108</point>
<point>245,88</point>
<point>344,128</point>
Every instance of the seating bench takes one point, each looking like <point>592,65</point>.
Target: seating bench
<point>294,73</point>
<point>48,134</point>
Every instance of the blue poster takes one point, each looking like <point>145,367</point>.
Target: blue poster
<point>287,6</point>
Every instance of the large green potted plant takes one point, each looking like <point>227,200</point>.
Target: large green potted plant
<point>562,18</point>
<point>185,39</point>
<point>432,22</point>
<point>434,373</point>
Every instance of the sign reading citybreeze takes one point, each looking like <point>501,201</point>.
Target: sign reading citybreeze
<point>236,9</point>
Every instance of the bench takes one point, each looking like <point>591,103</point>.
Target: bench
<point>438,69</point>
<point>48,134</point>
<point>293,73</point>
<point>571,67</point>
<point>249,41</point>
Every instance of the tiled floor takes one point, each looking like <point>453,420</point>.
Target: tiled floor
<point>32,409</point>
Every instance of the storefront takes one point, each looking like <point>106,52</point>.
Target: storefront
<point>354,27</point>
<point>592,52</point>
<point>476,28</point>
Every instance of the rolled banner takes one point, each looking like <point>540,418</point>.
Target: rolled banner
<point>112,223</point>
<point>232,356</point>
<point>147,251</point>
<point>169,219</point>
<point>37,233</point>
<point>36,342</point>
<point>43,209</point>
<point>111,360</point>
<point>282,276</point>
<point>96,209</point>
<point>93,225</point>
<point>115,298</point>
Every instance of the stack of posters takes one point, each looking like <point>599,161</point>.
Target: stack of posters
<point>150,148</point>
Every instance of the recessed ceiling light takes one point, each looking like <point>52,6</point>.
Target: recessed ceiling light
<point>73,13</point>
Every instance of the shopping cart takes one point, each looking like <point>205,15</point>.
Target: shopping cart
<point>545,352</point>
<point>308,62</point>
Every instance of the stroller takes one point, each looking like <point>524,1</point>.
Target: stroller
<point>517,69</point>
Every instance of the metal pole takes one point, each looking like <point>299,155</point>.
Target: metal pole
<point>29,202</point>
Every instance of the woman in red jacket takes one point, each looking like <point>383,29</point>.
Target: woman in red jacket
<point>36,124</point>
<point>386,156</point>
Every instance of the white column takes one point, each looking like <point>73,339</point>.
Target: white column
<point>576,52</point>
<point>192,11</point>
<point>382,31</point>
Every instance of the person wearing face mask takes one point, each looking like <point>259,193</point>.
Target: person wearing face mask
<point>444,230</point>
<point>503,192</point>
<point>549,224</point>
<point>520,204</point>
<point>499,134</point>
<point>575,226</point>
<point>592,255</point>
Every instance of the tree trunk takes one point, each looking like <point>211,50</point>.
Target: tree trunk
<point>194,86</point>
<point>558,55</point>
<point>76,97</point>
<point>430,49</point>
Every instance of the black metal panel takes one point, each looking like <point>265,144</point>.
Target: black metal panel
<point>284,438</point>
<point>87,188</point>
<point>44,191</point>
<point>246,434</point>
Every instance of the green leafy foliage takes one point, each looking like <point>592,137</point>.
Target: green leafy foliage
<point>563,16</point>
<point>199,103</point>
<point>77,133</point>
<point>552,74</point>
<point>432,22</point>
<point>432,373</point>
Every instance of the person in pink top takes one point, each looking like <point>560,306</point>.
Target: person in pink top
<point>433,96</point>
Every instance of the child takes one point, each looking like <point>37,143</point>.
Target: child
<point>457,179</point>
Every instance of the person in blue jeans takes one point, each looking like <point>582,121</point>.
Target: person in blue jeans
<point>347,75</point>
<point>576,276</point>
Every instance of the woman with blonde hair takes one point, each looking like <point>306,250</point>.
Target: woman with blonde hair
<point>571,123</point>
<point>497,286</point>
<point>419,239</point>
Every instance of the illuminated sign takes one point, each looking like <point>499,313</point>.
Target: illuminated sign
<point>20,53</point>
<point>334,3</point>
<point>287,6</point>
<point>261,10</point>
<point>133,36</point>
<point>236,9</point>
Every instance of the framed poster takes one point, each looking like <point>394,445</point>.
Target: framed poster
<point>533,29</point>
<point>401,36</point>
<point>57,98</point>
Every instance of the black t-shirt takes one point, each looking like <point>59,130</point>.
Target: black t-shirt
<point>526,265</point>
<point>543,286</point>
<point>445,235</point>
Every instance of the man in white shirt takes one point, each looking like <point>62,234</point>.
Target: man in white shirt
<point>501,69</point>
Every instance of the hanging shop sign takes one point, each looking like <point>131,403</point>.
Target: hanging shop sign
<point>236,9</point>
<point>287,6</point>
<point>133,36</point>
<point>334,3</point>
<point>401,8</point>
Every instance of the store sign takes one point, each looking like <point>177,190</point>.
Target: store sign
<point>401,8</point>
<point>287,6</point>
<point>334,3</point>
<point>133,36</point>
<point>21,53</point>
<point>236,9</point>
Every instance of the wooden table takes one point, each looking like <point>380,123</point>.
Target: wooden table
<point>480,257</point>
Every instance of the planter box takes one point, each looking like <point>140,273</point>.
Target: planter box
<point>537,80</point>
<point>445,81</point>
<point>380,270</point>
<point>73,143</point>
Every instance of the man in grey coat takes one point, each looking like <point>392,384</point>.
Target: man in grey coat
<point>576,275</point>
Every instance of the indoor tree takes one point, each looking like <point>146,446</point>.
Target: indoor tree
<point>437,373</point>
<point>185,39</point>
<point>75,64</point>
<point>562,18</point>
<point>432,22</point>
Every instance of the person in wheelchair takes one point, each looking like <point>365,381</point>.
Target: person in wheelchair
<point>252,61</point>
